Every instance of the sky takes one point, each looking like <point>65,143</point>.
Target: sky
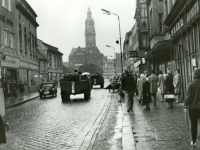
<point>62,23</point>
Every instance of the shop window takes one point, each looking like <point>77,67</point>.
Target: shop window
<point>35,77</point>
<point>23,76</point>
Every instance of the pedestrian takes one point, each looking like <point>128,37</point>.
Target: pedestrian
<point>128,85</point>
<point>161,85</point>
<point>21,89</point>
<point>177,85</point>
<point>145,73</point>
<point>153,80</point>
<point>146,93</point>
<point>140,82</point>
<point>169,88</point>
<point>192,102</point>
<point>2,131</point>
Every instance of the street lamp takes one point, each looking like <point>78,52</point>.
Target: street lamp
<point>114,56</point>
<point>111,13</point>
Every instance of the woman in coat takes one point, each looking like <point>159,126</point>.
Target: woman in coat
<point>161,85</point>
<point>146,93</point>
<point>140,82</point>
<point>169,88</point>
<point>177,85</point>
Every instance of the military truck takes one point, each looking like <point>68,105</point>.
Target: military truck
<point>75,83</point>
<point>97,79</point>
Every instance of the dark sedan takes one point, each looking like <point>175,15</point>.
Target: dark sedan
<point>47,89</point>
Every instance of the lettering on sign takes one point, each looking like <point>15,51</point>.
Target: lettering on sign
<point>10,62</point>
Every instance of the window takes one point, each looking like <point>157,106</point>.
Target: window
<point>25,40</point>
<point>7,4</point>
<point>160,22</point>
<point>11,40</point>
<point>6,38</point>
<point>20,36</point>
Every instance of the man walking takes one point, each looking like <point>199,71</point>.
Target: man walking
<point>128,85</point>
<point>153,80</point>
<point>21,89</point>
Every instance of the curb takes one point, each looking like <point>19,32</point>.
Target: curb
<point>128,141</point>
<point>21,102</point>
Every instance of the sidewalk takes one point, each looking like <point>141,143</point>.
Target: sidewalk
<point>157,129</point>
<point>18,100</point>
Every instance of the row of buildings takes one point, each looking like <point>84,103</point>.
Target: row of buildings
<point>23,57</point>
<point>165,36</point>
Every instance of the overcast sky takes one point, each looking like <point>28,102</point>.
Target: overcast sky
<point>62,22</point>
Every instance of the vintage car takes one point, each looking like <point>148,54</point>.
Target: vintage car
<point>97,79</point>
<point>48,89</point>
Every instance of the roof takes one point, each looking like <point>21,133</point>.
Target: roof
<point>41,56</point>
<point>74,50</point>
<point>52,48</point>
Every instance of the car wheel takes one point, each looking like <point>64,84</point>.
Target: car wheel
<point>102,85</point>
<point>87,95</point>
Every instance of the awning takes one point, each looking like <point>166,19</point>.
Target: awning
<point>162,48</point>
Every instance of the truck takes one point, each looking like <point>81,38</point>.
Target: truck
<point>97,79</point>
<point>75,83</point>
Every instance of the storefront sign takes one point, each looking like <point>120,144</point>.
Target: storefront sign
<point>194,62</point>
<point>136,64</point>
<point>9,61</point>
<point>28,65</point>
<point>133,54</point>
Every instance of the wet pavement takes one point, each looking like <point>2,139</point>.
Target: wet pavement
<point>109,136</point>
<point>51,124</point>
<point>161,128</point>
<point>14,101</point>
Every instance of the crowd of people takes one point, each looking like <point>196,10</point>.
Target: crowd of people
<point>147,86</point>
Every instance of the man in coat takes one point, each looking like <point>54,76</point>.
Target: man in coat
<point>128,85</point>
<point>153,80</point>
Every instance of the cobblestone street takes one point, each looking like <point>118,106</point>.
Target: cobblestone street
<point>50,124</point>
<point>161,128</point>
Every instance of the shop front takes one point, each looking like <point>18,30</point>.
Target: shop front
<point>10,68</point>
<point>160,57</point>
<point>29,75</point>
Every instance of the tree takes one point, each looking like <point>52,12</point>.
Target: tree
<point>91,68</point>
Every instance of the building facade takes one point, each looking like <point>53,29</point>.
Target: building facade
<point>54,71</point>
<point>26,28</point>
<point>18,46</point>
<point>182,20</point>
<point>90,53</point>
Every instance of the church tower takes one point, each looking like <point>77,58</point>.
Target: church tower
<point>90,34</point>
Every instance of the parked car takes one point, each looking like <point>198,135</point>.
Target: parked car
<point>48,89</point>
<point>97,79</point>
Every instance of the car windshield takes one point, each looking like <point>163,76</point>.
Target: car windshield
<point>48,85</point>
